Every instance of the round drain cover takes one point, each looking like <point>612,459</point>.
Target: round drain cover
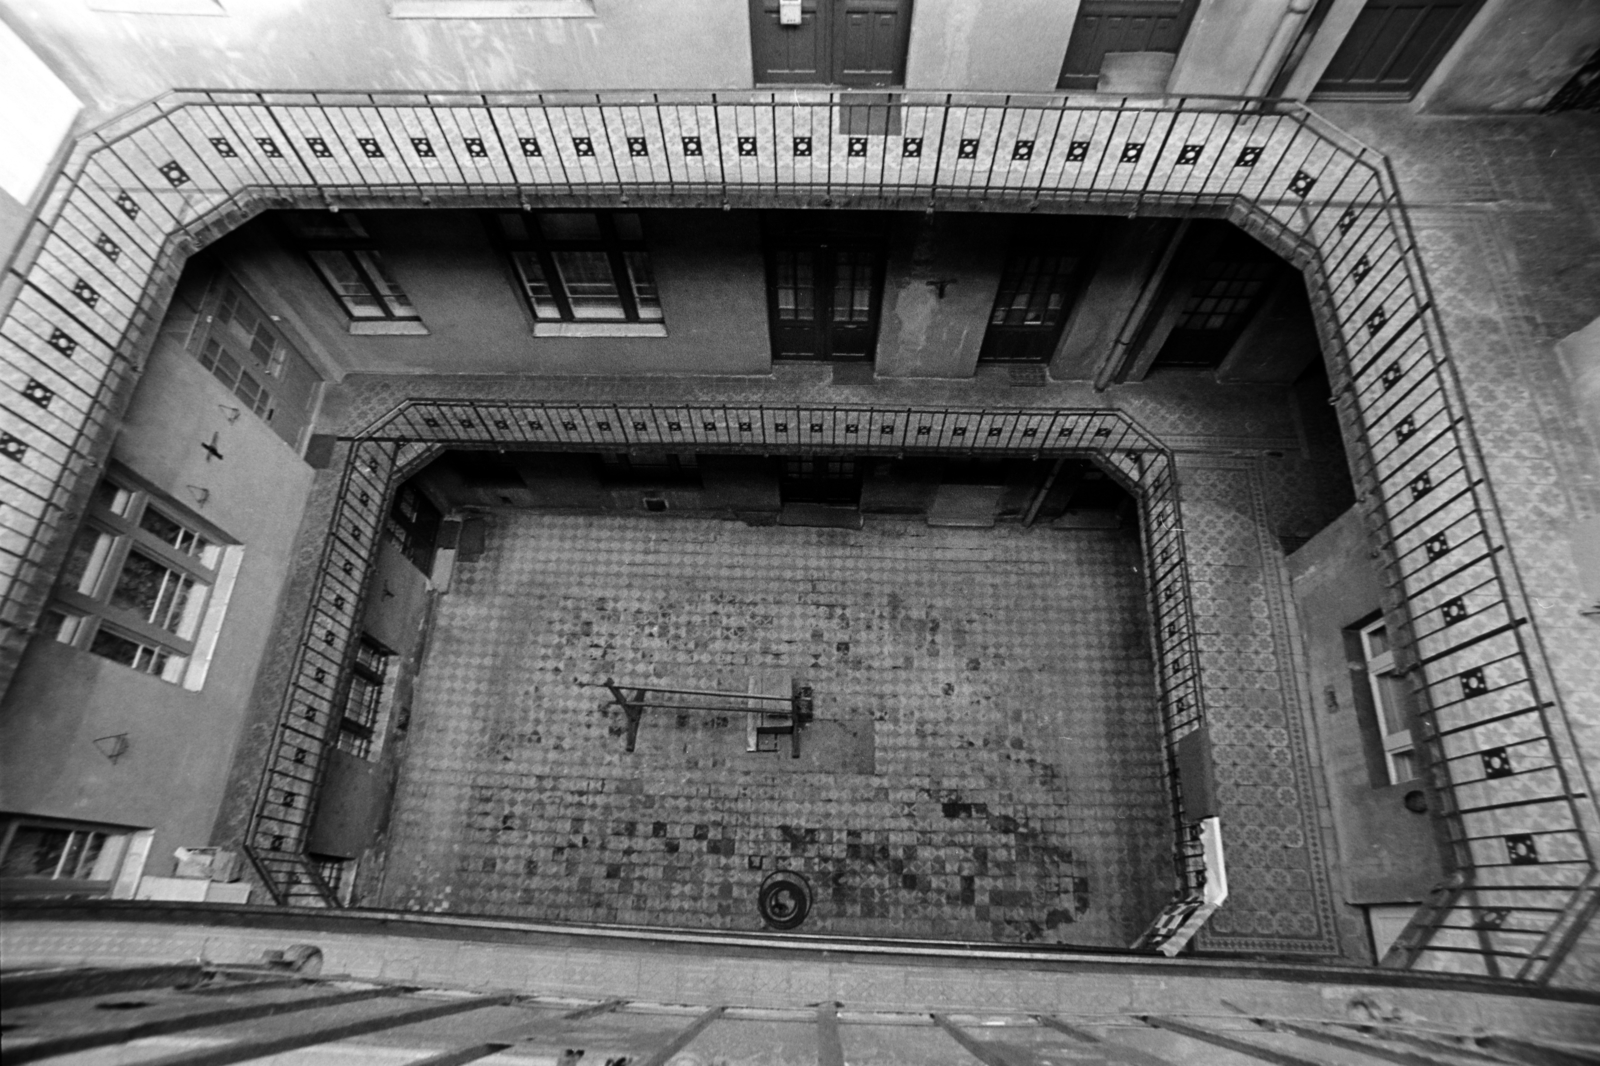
<point>784,899</point>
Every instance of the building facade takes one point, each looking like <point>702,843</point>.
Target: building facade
<point>1303,294</point>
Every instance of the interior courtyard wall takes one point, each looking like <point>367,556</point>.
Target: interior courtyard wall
<point>707,264</point>
<point>113,60</point>
<point>1226,42</point>
<point>1508,226</point>
<point>180,742</point>
<point>1014,47</point>
<point>1513,56</point>
<point>1386,853</point>
<point>927,332</point>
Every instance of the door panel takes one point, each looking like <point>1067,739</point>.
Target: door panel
<point>838,42</point>
<point>1121,26</point>
<point>870,42</point>
<point>1394,45</point>
<point>789,54</point>
<point>1043,274</point>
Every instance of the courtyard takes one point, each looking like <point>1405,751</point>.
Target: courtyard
<point>985,762</point>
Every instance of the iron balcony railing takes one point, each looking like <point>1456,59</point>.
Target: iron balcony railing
<point>84,292</point>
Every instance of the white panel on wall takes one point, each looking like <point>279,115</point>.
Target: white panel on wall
<point>36,111</point>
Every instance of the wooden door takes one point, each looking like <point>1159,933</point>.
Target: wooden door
<point>1394,44</point>
<point>1043,274</point>
<point>1121,26</point>
<point>824,289</point>
<point>856,43</point>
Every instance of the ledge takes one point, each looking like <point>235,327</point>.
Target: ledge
<point>158,7</point>
<point>599,329</point>
<point>491,9</point>
<point>388,327</point>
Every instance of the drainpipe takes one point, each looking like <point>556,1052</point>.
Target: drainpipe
<point>1113,367</point>
<point>1283,39</point>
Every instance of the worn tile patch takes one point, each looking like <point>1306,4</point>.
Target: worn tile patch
<point>1014,788</point>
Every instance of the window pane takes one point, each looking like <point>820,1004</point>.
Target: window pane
<point>163,596</point>
<point>340,273</point>
<point>796,301</point>
<point>1404,765</point>
<point>35,851</point>
<point>1392,703</point>
<point>645,295</point>
<point>226,305</point>
<point>570,226</point>
<point>1377,641</point>
<point>537,285</point>
<point>86,562</point>
<point>142,657</point>
<point>852,287</point>
<point>591,290</point>
<point>399,304</point>
<point>179,536</point>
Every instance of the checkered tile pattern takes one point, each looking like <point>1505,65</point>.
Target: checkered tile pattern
<point>1017,792</point>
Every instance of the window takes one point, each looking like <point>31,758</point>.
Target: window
<point>49,856</point>
<point>1389,701</point>
<point>582,267</point>
<point>1037,288</point>
<point>246,351</point>
<point>344,257</point>
<point>413,525</point>
<point>137,583</point>
<point>363,698</point>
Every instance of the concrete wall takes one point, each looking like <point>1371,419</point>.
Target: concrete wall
<point>922,333</point>
<point>1225,44</point>
<point>180,742</point>
<point>114,60</point>
<point>707,263</point>
<point>1513,56</point>
<point>1017,46</point>
<point>1387,854</point>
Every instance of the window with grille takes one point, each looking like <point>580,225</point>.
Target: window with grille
<point>582,266</point>
<point>1225,295</point>
<point>345,258</point>
<point>47,855</point>
<point>363,698</point>
<point>137,582</point>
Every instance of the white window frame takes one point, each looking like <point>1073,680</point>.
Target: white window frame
<point>83,607</point>
<point>117,868</point>
<point>1399,752</point>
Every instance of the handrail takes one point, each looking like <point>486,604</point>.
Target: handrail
<point>84,292</point>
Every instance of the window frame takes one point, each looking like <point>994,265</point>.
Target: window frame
<point>533,242</point>
<point>1383,678</point>
<point>175,656</point>
<point>353,243</point>
<point>358,735</point>
<point>124,838</point>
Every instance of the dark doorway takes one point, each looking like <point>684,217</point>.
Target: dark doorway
<point>1393,46</point>
<point>856,43</point>
<point>1121,26</point>
<point>825,285</point>
<point>1043,274</point>
<point>1229,284</point>
<point>834,480</point>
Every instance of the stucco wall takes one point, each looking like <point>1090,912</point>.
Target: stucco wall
<point>1513,56</point>
<point>179,742</point>
<point>114,60</point>
<point>1017,46</point>
<point>1386,853</point>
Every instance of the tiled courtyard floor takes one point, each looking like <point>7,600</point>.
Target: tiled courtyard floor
<point>985,764</point>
